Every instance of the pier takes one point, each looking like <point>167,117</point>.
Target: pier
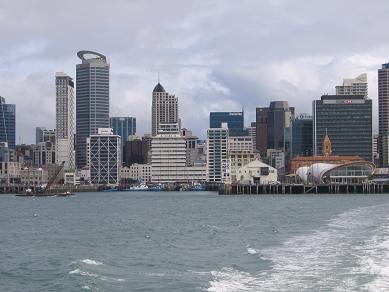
<point>285,189</point>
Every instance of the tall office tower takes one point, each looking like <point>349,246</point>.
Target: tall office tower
<point>164,109</point>
<point>348,121</point>
<point>302,136</point>
<point>124,127</point>
<point>375,149</point>
<point>64,121</point>
<point>104,157</point>
<point>92,100</point>
<point>355,86</point>
<point>273,127</point>
<point>7,123</point>
<point>136,150</point>
<point>383,113</point>
<point>252,132</point>
<point>42,134</point>
<point>234,121</point>
<point>217,153</point>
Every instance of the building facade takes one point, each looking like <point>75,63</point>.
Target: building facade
<point>124,127</point>
<point>383,112</point>
<point>44,154</point>
<point>136,150</point>
<point>136,172</point>
<point>234,121</point>
<point>65,121</point>
<point>7,123</point>
<point>42,134</point>
<point>164,109</point>
<point>217,153</point>
<point>92,100</point>
<point>302,136</point>
<point>348,121</point>
<point>354,86</point>
<point>104,157</point>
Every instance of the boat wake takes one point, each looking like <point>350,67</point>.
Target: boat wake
<point>351,252</point>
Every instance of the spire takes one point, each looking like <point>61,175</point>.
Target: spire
<point>327,147</point>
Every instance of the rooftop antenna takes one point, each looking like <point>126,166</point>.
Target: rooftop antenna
<point>158,76</point>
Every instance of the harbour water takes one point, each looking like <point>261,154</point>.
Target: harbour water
<point>194,242</point>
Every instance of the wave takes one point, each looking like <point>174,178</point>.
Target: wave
<point>350,252</point>
<point>91,262</point>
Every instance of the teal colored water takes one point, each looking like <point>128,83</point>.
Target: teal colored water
<point>194,242</point>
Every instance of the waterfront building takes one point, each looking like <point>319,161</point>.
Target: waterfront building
<point>191,147</point>
<point>169,160</point>
<point>65,121</point>
<point>217,153</point>
<point>136,172</point>
<point>302,136</point>
<point>104,157</point>
<point>354,86</point>
<point>234,121</point>
<point>136,150</point>
<point>124,127</point>
<point>164,109</point>
<point>24,154</point>
<point>42,134</point>
<point>32,177</point>
<point>273,126</point>
<point>7,123</point>
<point>348,121</point>
<point>257,173</point>
<point>9,173</point>
<point>44,154</point>
<point>356,172</point>
<point>383,112</point>
<point>92,100</point>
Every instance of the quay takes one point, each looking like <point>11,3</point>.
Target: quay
<point>284,189</point>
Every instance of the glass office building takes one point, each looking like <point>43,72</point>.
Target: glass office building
<point>7,123</point>
<point>234,120</point>
<point>348,122</point>
<point>302,136</point>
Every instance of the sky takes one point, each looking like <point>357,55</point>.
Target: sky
<point>214,55</point>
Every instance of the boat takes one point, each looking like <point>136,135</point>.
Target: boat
<point>156,188</point>
<point>197,187</point>
<point>139,188</point>
<point>65,194</point>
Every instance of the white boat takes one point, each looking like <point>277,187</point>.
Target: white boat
<point>141,187</point>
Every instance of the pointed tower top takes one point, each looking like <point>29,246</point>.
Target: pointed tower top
<point>327,147</point>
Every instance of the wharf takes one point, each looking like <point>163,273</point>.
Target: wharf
<point>370,188</point>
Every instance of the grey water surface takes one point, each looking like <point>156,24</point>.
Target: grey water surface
<point>194,242</point>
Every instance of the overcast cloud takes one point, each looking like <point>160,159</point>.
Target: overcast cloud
<point>214,55</point>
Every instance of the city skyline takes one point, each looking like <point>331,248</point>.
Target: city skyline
<point>271,61</point>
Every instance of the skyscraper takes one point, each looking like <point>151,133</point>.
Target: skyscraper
<point>7,123</point>
<point>273,126</point>
<point>92,100</point>
<point>217,153</point>
<point>348,121</point>
<point>234,120</point>
<point>354,86</point>
<point>64,120</point>
<point>42,134</point>
<point>124,127</point>
<point>302,136</point>
<point>383,112</point>
<point>164,109</point>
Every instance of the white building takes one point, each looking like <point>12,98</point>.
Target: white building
<point>354,86</point>
<point>65,120</point>
<point>164,109</point>
<point>276,158</point>
<point>169,160</point>
<point>256,172</point>
<point>137,172</point>
<point>104,157</point>
<point>43,154</point>
<point>9,172</point>
<point>217,153</point>
<point>33,176</point>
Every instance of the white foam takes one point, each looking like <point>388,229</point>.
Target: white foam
<point>231,280</point>
<point>83,273</point>
<point>86,287</point>
<point>91,262</point>
<point>252,251</point>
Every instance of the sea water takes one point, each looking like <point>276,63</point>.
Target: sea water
<point>194,242</point>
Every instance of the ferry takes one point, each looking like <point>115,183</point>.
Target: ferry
<point>139,188</point>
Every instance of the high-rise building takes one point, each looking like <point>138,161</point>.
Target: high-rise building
<point>92,100</point>
<point>136,150</point>
<point>164,109</point>
<point>217,153</point>
<point>65,121</point>
<point>383,112</point>
<point>124,127</point>
<point>273,127</point>
<point>104,157</point>
<point>302,136</point>
<point>354,86</point>
<point>252,132</point>
<point>7,123</point>
<point>234,121</point>
<point>348,121</point>
<point>44,154</point>
<point>375,149</point>
<point>42,134</point>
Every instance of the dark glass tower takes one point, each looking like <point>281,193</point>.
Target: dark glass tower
<point>302,136</point>
<point>7,123</point>
<point>234,120</point>
<point>348,121</point>
<point>92,100</point>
